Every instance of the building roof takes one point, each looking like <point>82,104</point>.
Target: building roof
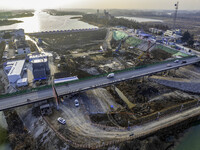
<point>36,56</point>
<point>39,60</point>
<point>16,67</point>
<point>39,74</point>
<point>61,80</point>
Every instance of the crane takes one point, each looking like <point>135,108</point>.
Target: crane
<point>175,15</point>
<point>147,51</point>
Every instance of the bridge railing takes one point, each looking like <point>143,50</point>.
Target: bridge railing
<point>86,78</point>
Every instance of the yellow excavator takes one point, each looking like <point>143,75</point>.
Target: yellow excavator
<point>139,58</point>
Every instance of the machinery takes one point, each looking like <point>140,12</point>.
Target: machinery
<point>146,52</point>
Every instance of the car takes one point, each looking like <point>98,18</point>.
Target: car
<point>76,102</point>
<point>111,75</point>
<point>184,61</point>
<point>169,65</point>
<point>61,120</point>
<point>176,61</point>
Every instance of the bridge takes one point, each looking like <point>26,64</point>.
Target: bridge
<point>7,102</point>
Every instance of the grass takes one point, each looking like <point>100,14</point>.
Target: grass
<point>2,47</point>
<point>3,135</point>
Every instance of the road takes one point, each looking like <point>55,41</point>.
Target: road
<point>19,100</point>
<point>40,50</point>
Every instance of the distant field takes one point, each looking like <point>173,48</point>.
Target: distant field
<point>72,40</point>
<point>16,14</point>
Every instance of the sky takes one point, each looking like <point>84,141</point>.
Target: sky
<point>100,4</point>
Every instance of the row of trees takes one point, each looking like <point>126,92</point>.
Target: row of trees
<point>103,20</point>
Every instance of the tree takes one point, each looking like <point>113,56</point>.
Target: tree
<point>7,35</point>
<point>186,36</point>
<point>190,42</point>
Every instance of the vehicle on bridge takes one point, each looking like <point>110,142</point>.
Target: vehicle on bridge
<point>176,61</point>
<point>184,61</point>
<point>111,75</point>
<point>169,65</point>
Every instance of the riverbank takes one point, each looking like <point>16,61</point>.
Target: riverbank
<point>9,22</point>
<point>16,14</point>
<point>19,136</point>
<point>54,12</point>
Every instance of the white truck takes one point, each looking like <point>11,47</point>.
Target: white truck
<point>111,75</point>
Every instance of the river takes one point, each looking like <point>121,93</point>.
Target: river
<point>190,140</point>
<point>42,21</point>
<point>138,19</point>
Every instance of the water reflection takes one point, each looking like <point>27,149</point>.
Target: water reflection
<point>30,24</point>
<point>41,21</point>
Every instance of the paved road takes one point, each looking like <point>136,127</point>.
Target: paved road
<point>19,100</point>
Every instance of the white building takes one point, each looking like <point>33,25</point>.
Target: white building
<point>169,33</point>
<point>14,70</point>
<point>22,82</point>
<point>37,56</point>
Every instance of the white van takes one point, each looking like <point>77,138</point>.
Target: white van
<point>111,75</point>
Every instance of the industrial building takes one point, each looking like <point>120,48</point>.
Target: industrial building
<point>22,47</point>
<point>14,70</point>
<point>40,69</point>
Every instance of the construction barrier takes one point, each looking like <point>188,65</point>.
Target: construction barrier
<point>84,79</point>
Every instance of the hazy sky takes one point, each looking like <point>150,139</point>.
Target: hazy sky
<point>101,4</point>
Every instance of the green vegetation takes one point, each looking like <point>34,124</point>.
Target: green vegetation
<point>118,35</point>
<point>8,22</point>
<point>63,13</point>
<point>133,41</point>
<point>2,47</point>
<point>3,135</point>
<point>188,38</point>
<point>15,14</point>
<point>166,49</point>
<point>110,21</point>
<point>75,18</point>
<point>7,35</point>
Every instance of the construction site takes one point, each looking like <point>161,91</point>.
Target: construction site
<point>107,107</point>
<point>108,117</point>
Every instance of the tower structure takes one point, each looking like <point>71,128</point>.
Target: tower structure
<point>175,15</point>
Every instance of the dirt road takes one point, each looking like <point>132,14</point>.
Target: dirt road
<point>81,130</point>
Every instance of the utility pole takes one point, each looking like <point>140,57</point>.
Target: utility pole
<point>175,15</point>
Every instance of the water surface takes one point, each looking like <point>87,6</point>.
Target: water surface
<point>42,21</point>
<point>138,19</point>
<point>191,140</point>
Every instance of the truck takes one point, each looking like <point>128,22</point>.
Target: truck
<point>111,75</point>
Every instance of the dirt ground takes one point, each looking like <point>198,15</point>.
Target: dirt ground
<point>91,53</point>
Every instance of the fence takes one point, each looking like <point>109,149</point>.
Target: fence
<point>87,78</point>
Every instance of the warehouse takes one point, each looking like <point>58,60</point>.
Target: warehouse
<point>40,69</point>
<point>14,70</point>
